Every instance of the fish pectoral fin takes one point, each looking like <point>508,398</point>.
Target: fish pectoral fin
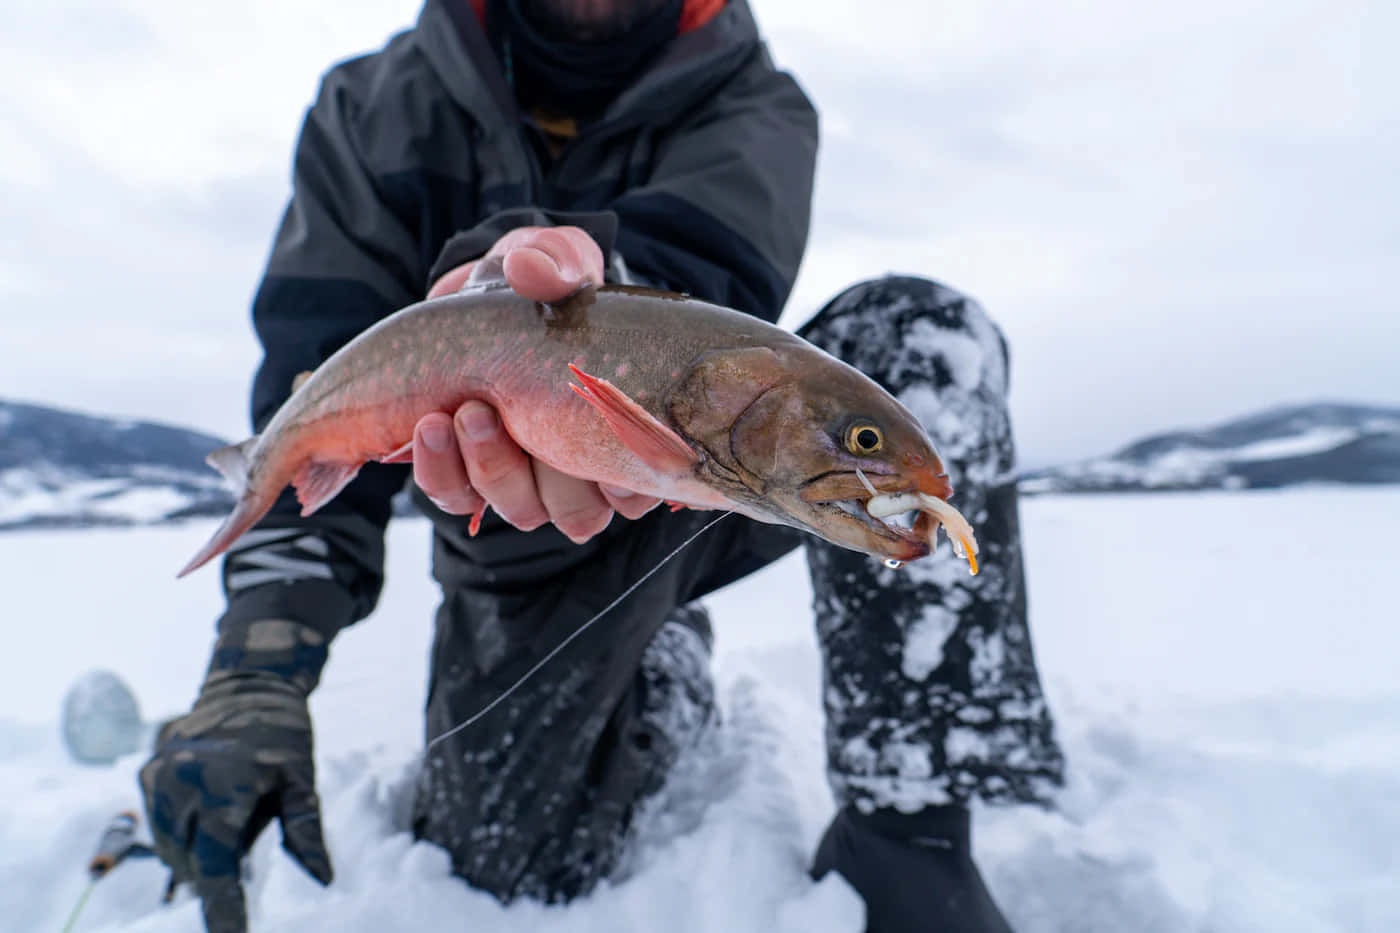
<point>318,482</point>
<point>657,445</point>
<point>402,454</point>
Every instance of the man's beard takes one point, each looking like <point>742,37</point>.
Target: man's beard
<point>553,68</point>
<point>587,20</point>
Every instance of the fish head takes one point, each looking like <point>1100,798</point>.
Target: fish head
<point>796,437</point>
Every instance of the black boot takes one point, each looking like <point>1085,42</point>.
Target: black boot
<point>914,870</point>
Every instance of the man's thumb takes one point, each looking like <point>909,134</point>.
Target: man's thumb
<point>301,832</point>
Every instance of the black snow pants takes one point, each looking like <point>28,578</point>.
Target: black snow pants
<point>931,690</point>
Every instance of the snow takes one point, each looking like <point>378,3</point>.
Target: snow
<point>1223,679</point>
<point>1316,441</point>
<point>1189,464</point>
<point>1199,465</point>
<point>923,645</point>
<point>140,495</point>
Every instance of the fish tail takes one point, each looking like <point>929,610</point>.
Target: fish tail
<point>249,509</point>
<point>233,462</point>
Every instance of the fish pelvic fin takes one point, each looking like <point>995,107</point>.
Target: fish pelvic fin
<point>318,482</point>
<point>658,446</point>
<point>233,463</point>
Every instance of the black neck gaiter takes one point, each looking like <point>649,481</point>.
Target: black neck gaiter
<point>571,77</point>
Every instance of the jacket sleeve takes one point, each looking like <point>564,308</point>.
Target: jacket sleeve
<point>340,262</point>
<point>725,211</point>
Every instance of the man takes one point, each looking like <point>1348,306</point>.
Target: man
<point>648,141</point>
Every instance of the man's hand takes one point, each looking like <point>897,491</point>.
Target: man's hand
<point>467,461</point>
<point>239,759</point>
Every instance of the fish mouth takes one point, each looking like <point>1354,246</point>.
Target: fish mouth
<point>894,516</point>
<point>895,541</point>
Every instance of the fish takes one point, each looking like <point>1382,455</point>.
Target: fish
<point>660,393</point>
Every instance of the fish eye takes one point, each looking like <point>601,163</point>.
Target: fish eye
<point>864,439</point>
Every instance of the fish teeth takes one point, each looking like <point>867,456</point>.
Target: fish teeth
<point>902,521</point>
<point>849,506</point>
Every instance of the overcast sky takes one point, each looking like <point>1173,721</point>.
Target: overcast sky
<point>1178,212</point>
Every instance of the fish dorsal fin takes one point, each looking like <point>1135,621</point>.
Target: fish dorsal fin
<point>657,445</point>
<point>318,482</point>
<point>233,462</point>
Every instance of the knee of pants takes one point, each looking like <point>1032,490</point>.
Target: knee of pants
<point>900,329</point>
<point>941,355</point>
<point>674,692</point>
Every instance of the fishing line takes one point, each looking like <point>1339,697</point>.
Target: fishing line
<point>554,652</point>
<point>78,907</point>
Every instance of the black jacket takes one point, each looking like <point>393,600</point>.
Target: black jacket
<point>415,158</point>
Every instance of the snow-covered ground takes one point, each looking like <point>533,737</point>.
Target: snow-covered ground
<point>1223,667</point>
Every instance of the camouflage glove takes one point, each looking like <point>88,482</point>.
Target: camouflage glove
<point>913,870</point>
<point>239,758</point>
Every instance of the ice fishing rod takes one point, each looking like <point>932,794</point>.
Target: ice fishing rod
<point>116,845</point>
<point>554,652</point>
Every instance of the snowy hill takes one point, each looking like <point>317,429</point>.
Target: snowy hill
<point>1328,443</point>
<point>60,468</point>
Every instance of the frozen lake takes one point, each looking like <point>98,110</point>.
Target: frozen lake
<point>1222,667</point>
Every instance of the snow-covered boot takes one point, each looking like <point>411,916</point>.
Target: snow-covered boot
<point>914,870</point>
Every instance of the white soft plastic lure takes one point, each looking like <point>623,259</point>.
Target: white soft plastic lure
<point>883,506</point>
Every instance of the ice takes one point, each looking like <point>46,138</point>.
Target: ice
<point>1223,684</point>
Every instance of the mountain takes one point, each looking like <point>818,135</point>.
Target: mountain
<point>61,468</point>
<point>1314,443</point>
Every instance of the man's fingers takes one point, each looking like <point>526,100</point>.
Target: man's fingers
<point>627,503</point>
<point>550,263</point>
<point>540,263</point>
<point>575,506</point>
<point>482,465</point>
<point>302,836</point>
<point>217,856</point>
<point>497,469</point>
<point>172,817</point>
<point>438,468</point>
<point>221,899</point>
<point>535,274</point>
